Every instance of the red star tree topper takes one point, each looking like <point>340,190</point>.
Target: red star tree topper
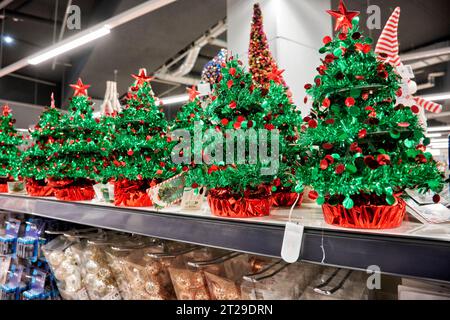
<point>343,17</point>
<point>142,77</point>
<point>80,88</point>
<point>193,93</point>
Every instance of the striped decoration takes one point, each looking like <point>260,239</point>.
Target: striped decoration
<point>428,105</point>
<point>388,42</point>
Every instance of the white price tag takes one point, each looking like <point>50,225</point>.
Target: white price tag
<point>82,294</point>
<point>204,88</point>
<point>292,242</point>
<point>406,72</point>
<point>114,295</point>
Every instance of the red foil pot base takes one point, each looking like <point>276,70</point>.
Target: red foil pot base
<point>75,193</point>
<point>38,188</point>
<point>286,199</point>
<point>3,188</point>
<point>224,204</point>
<point>366,216</point>
<point>70,190</point>
<point>131,194</point>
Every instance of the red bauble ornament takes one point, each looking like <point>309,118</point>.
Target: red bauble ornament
<point>415,109</point>
<point>313,195</point>
<point>232,71</point>
<point>233,105</point>
<point>340,168</point>
<point>350,102</point>
<point>324,164</point>
<point>308,86</point>
<point>130,152</point>
<point>326,40</point>
<point>224,122</point>
<point>312,123</point>
<point>240,118</point>
<point>326,102</point>
<point>436,198</point>
<point>327,146</point>
<point>383,159</point>
<point>342,36</point>
<point>362,133</point>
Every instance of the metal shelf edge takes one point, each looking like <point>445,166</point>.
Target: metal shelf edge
<point>410,257</point>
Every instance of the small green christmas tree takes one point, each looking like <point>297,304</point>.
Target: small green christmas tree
<point>78,157</point>
<point>141,145</point>
<point>236,105</point>
<point>190,118</point>
<point>282,114</point>
<point>140,142</point>
<point>362,149</point>
<point>35,165</point>
<point>9,148</point>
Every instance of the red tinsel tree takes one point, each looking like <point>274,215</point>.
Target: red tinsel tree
<point>260,59</point>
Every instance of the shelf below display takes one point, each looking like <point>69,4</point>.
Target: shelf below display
<point>413,250</point>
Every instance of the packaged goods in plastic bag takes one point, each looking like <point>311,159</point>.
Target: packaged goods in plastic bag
<point>64,258</point>
<point>139,276</point>
<point>97,275</point>
<point>278,281</point>
<point>337,284</point>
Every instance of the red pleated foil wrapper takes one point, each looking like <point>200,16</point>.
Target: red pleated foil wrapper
<point>366,216</point>
<point>70,190</point>
<point>38,188</point>
<point>4,184</point>
<point>286,198</point>
<point>131,194</point>
<point>254,204</point>
<point>3,188</point>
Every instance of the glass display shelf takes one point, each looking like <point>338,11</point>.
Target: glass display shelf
<point>413,250</point>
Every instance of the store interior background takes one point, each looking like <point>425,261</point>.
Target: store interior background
<point>161,40</point>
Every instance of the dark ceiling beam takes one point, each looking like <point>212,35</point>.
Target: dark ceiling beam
<point>102,10</point>
<point>21,5</point>
<point>30,17</point>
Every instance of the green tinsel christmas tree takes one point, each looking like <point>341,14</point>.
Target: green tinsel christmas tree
<point>237,104</point>
<point>9,149</point>
<point>75,161</point>
<point>35,166</point>
<point>141,147</point>
<point>362,148</point>
<point>190,117</point>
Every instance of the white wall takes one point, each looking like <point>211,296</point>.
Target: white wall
<point>295,29</point>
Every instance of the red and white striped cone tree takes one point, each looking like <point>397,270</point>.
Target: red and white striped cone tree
<point>388,50</point>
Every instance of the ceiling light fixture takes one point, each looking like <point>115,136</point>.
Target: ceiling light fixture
<point>175,99</point>
<point>439,129</point>
<point>64,47</point>
<point>8,39</point>
<point>105,27</point>
<point>434,135</point>
<point>437,96</point>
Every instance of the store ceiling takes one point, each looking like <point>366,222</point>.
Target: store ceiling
<point>149,41</point>
<point>155,38</point>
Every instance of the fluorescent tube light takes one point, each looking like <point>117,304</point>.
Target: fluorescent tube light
<point>439,141</point>
<point>437,97</point>
<point>438,129</point>
<point>75,43</point>
<point>433,135</point>
<point>8,39</point>
<point>175,99</point>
